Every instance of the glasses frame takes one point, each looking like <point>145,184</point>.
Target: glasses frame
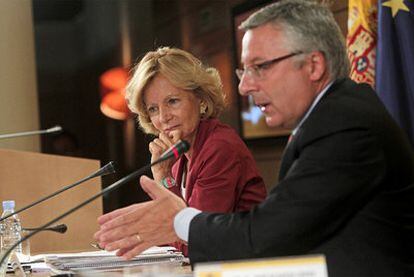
<point>256,70</point>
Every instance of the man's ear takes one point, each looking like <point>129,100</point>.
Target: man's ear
<point>318,66</point>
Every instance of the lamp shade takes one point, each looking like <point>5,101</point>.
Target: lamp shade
<point>114,106</point>
<point>112,84</point>
<point>113,79</point>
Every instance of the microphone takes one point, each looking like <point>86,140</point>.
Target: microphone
<point>175,151</point>
<point>181,146</point>
<point>61,228</point>
<point>55,129</point>
<point>109,168</point>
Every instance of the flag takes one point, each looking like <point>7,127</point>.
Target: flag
<point>395,61</point>
<point>362,39</point>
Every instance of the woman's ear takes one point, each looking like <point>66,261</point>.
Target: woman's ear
<point>203,108</point>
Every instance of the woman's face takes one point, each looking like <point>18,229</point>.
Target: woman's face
<point>172,109</point>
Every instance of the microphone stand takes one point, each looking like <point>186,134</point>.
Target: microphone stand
<point>61,228</point>
<point>181,146</point>
<point>107,169</point>
<point>55,129</point>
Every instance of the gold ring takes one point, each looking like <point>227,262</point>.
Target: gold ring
<point>138,237</point>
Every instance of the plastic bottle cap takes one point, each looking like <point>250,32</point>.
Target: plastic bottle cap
<point>8,204</point>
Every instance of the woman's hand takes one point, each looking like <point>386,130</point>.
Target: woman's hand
<point>159,146</point>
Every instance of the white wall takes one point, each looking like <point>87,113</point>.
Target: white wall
<point>18,92</point>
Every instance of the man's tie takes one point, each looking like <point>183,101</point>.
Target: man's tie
<point>290,138</point>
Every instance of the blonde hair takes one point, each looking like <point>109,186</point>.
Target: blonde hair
<point>184,71</point>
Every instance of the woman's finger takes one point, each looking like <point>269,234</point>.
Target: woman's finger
<point>168,141</point>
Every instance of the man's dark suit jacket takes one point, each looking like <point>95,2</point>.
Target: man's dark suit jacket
<point>346,190</point>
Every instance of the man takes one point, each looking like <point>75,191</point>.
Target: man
<point>346,179</point>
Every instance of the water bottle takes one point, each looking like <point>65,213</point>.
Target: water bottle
<point>10,228</point>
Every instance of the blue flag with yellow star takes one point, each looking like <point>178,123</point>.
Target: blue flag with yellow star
<point>395,61</point>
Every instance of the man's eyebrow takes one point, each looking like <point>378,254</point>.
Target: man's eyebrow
<point>254,61</point>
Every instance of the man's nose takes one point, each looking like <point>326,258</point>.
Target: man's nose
<point>247,85</point>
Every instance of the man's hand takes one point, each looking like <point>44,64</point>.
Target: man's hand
<point>133,229</point>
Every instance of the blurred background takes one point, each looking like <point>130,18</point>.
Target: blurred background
<point>64,62</point>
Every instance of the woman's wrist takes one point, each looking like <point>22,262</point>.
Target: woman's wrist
<point>160,174</point>
<point>168,182</point>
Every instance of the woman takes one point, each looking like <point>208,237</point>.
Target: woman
<point>175,98</point>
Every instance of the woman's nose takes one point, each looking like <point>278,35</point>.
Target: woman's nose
<point>165,115</point>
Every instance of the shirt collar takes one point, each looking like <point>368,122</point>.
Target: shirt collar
<point>315,101</point>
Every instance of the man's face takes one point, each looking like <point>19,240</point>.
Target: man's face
<point>284,90</point>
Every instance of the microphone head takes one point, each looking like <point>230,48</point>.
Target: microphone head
<point>183,146</point>
<point>176,150</point>
<point>61,228</point>
<point>55,129</point>
<point>109,168</point>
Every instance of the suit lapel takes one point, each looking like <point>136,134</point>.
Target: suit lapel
<point>289,155</point>
<point>291,152</point>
